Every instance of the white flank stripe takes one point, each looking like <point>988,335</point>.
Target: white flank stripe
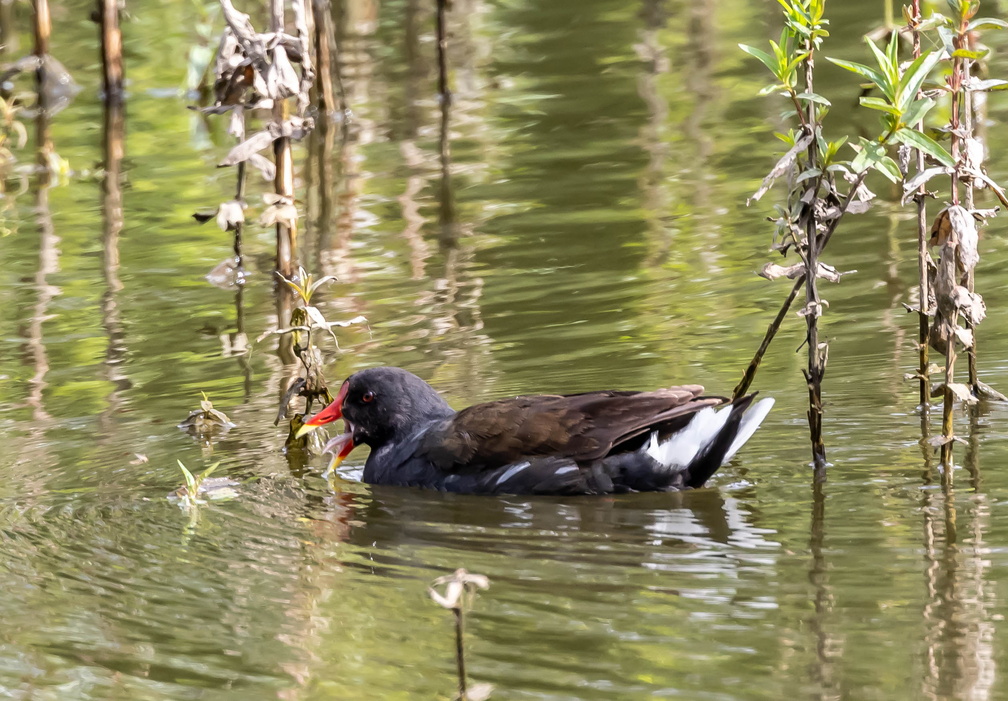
<point>511,472</point>
<point>565,470</point>
<point>750,422</point>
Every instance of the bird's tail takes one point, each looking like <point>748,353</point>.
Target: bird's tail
<point>710,439</point>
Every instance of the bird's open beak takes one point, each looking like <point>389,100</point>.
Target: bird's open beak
<point>340,445</point>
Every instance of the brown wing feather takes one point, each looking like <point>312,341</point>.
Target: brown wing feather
<point>581,427</point>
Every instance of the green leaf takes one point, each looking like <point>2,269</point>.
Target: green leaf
<point>877,103</point>
<point>915,112</point>
<point>947,36</point>
<point>868,154</point>
<point>765,58</point>
<point>986,23</point>
<point>862,70</point>
<point>321,281</point>
<point>888,168</point>
<point>915,75</point>
<point>972,55</point>
<point>923,142</point>
<point>833,147</point>
<point>191,483</point>
<point>814,97</point>
<point>888,71</point>
<point>793,65</point>
<point>808,175</point>
<point>788,138</point>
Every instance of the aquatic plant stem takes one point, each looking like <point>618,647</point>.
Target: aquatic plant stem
<point>283,181</point>
<point>111,44</point>
<point>460,651</point>
<point>43,29</point>
<point>923,256</point>
<point>948,264</point>
<point>750,372</point>
<point>442,47</point>
<point>813,304</point>
<point>968,203</point>
<point>240,226</point>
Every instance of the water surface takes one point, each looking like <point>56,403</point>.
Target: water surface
<point>601,156</point>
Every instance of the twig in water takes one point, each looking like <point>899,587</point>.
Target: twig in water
<point>459,593</point>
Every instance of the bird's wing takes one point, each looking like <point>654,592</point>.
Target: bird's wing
<point>581,427</point>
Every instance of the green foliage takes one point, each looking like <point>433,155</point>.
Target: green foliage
<point>304,286</point>
<point>189,494</point>
<point>900,105</point>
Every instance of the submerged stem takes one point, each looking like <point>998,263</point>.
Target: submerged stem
<point>460,652</point>
<point>923,256</point>
<point>816,355</point>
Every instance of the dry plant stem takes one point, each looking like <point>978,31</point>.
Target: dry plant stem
<point>948,401</point>
<point>967,122</point>
<point>816,356</point>
<point>923,256</point>
<point>750,372</point>
<point>43,28</point>
<point>111,43</point>
<point>112,216</point>
<point>239,226</point>
<point>460,652</point>
<point>283,181</point>
<point>442,43</point>
<point>321,14</point>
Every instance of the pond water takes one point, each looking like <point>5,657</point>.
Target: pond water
<point>601,156</point>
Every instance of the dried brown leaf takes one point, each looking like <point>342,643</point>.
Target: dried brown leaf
<point>814,309</point>
<point>969,304</point>
<point>281,79</point>
<point>938,441</point>
<point>964,226</point>
<point>285,214</point>
<point>941,228</point>
<point>995,188</point>
<point>784,165</point>
<point>772,271</point>
<point>911,186</point>
<point>243,151</point>
<point>236,125</point>
<point>964,336</point>
<point>985,391</point>
<point>263,165</point>
<point>230,214</point>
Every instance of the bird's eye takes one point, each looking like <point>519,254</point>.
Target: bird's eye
<point>367,397</point>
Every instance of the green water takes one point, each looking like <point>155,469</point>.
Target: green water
<point>602,153</point>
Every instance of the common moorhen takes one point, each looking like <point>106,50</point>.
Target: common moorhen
<point>592,443</point>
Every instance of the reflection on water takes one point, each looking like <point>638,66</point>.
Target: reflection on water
<point>572,218</point>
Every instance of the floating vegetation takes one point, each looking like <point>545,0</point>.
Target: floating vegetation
<point>206,422</point>
<point>201,488</point>
<point>306,320</point>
